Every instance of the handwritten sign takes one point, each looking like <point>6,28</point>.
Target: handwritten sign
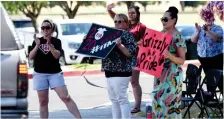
<point>151,57</point>
<point>99,42</point>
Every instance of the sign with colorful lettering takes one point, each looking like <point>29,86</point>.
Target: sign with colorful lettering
<point>151,55</point>
<point>99,41</point>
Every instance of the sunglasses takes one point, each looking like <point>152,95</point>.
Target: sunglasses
<point>118,21</point>
<point>131,7</point>
<point>45,27</point>
<point>165,19</point>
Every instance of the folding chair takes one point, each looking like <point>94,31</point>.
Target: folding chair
<point>209,97</point>
<point>193,77</point>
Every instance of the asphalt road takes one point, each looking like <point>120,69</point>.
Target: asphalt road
<point>89,93</point>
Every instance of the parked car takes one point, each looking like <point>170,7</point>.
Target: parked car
<point>25,30</point>
<point>14,72</point>
<point>71,33</point>
<point>23,24</point>
<point>187,31</point>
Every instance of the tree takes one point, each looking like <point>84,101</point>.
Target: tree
<point>30,9</point>
<point>128,3</point>
<point>71,7</point>
<point>182,5</point>
<point>145,3</point>
<point>192,4</point>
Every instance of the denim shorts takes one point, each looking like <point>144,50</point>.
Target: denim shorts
<point>43,81</point>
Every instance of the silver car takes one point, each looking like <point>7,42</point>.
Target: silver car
<point>14,72</point>
<point>71,33</point>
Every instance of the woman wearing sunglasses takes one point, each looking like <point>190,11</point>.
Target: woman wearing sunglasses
<point>47,74</point>
<point>137,29</point>
<point>168,87</point>
<point>209,39</point>
<point>118,69</point>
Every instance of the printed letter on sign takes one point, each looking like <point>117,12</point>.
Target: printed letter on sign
<point>100,41</point>
<point>151,53</point>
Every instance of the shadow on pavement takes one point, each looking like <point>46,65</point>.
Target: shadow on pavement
<point>101,112</point>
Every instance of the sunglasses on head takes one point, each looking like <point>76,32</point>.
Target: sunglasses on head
<point>135,7</point>
<point>132,6</point>
<point>45,27</point>
<point>118,21</point>
<point>165,19</point>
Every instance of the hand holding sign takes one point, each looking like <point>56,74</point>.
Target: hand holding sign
<point>84,37</point>
<point>168,54</point>
<point>161,60</point>
<point>118,41</point>
<point>140,42</point>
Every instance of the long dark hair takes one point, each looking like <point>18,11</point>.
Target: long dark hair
<point>137,11</point>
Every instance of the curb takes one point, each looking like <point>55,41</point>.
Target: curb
<point>95,72</point>
<point>76,73</point>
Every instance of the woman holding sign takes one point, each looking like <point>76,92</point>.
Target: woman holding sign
<point>168,87</point>
<point>118,69</point>
<point>137,29</point>
<point>46,52</point>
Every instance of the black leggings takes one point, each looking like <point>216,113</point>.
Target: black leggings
<point>215,62</point>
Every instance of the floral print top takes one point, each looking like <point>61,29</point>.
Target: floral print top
<point>116,61</point>
<point>207,47</point>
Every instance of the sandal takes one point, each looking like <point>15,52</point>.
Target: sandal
<point>135,110</point>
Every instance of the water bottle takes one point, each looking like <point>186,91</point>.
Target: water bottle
<point>149,110</point>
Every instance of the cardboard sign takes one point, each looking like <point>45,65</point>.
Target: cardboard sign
<point>151,56</point>
<point>99,41</point>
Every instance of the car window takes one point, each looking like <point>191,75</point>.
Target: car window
<point>75,28</point>
<point>187,32</point>
<point>22,23</point>
<point>8,39</point>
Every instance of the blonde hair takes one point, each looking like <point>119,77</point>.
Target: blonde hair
<point>122,16</point>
